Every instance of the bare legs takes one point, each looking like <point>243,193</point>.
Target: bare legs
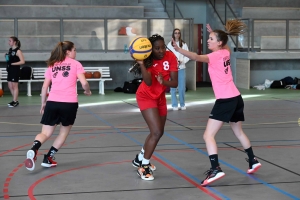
<point>14,90</point>
<point>47,131</point>
<point>239,133</point>
<point>156,125</point>
<point>213,126</point>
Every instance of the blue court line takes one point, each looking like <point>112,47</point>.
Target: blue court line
<point>234,168</point>
<point>158,155</point>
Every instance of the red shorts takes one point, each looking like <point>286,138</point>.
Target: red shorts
<point>145,103</point>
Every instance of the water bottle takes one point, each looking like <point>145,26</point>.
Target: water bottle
<point>7,57</point>
<point>125,48</point>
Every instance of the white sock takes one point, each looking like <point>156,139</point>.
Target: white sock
<point>145,161</point>
<point>141,154</point>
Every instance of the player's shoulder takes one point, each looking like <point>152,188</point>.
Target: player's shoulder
<point>73,61</point>
<point>170,55</point>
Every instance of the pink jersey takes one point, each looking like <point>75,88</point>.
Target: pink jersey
<point>163,66</point>
<point>63,76</point>
<point>221,75</point>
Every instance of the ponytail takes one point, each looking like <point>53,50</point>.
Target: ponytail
<point>15,39</point>
<point>59,52</point>
<point>233,27</point>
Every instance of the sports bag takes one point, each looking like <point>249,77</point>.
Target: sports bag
<point>26,73</point>
<point>278,84</point>
<point>129,87</point>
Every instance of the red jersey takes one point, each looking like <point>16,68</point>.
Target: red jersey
<point>164,66</point>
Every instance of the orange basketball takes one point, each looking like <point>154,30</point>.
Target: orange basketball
<point>97,74</point>
<point>1,92</point>
<point>88,74</point>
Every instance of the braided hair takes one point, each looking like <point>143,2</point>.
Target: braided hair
<point>232,27</point>
<point>135,69</point>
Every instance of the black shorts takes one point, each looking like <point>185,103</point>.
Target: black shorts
<point>59,112</point>
<point>13,73</point>
<point>228,110</point>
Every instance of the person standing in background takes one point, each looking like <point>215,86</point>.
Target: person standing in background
<point>14,59</point>
<point>181,71</point>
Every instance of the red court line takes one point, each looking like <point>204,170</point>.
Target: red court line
<point>187,179</point>
<point>11,174</point>
<point>8,151</point>
<point>31,188</point>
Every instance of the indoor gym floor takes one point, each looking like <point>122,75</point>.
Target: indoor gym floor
<point>95,162</point>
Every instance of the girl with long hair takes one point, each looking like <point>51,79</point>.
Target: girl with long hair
<point>62,103</point>
<point>14,61</point>
<point>229,103</point>
<point>176,36</point>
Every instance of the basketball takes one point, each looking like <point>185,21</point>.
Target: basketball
<point>96,74</point>
<point>1,92</point>
<point>140,48</point>
<point>88,74</point>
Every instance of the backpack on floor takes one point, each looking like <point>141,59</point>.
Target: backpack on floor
<point>26,73</point>
<point>130,87</point>
<point>278,84</point>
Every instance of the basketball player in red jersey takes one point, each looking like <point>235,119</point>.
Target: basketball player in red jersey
<point>159,70</point>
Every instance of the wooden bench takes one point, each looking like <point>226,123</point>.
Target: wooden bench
<point>38,76</point>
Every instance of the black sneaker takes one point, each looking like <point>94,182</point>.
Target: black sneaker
<point>49,161</point>
<point>212,176</point>
<point>254,165</point>
<point>145,173</point>
<point>14,104</point>
<point>137,163</point>
<point>10,103</point>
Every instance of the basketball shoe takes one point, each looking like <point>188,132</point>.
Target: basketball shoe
<point>254,165</point>
<point>30,161</point>
<point>49,161</point>
<point>137,163</point>
<point>212,176</point>
<point>13,104</point>
<point>145,173</point>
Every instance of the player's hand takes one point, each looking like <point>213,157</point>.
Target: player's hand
<point>87,93</point>
<point>140,62</point>
<point>159,78</point>
<point>209,29</point>
<point>42,109</point>
<point>176,47</point>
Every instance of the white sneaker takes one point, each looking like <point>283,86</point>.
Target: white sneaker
<point>183,108</point>
<point>175,108</point>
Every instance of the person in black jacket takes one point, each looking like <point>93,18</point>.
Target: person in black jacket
<point>14,59</point>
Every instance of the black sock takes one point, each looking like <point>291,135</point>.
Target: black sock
<point>214,161</point>
<point>52,151</point>
<point>250,154</point>
<point>36,145</point>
